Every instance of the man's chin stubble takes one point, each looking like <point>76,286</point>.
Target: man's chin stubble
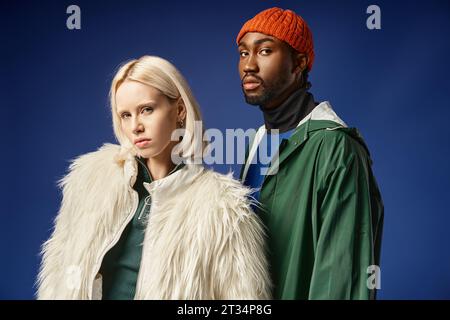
<point>254,100</point>
<point>257,100</point>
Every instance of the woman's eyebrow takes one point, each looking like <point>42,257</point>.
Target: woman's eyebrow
<point>139,106</point>
<point>146,104</point>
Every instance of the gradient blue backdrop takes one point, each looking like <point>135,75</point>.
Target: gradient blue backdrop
<point>391,83</point>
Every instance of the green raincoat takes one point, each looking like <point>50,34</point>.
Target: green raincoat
<point>323,211</point>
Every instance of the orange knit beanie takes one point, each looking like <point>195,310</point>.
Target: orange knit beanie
<point>285,25</point>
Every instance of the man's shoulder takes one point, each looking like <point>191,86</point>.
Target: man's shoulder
<point>342,142</point>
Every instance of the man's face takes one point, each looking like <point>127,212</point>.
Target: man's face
<point>266,69</point>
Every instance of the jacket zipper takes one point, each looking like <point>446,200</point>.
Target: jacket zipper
<point>144,208</point>
<point>117,236</point>
<point>139,278</point>
<point>138,281</point>
<point>113,242</point>
<point>147,198</point>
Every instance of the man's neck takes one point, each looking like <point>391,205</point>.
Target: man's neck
<point>289,113</point>
<point>275,103</point>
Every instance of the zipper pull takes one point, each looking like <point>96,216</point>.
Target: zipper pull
<point>147,203</point>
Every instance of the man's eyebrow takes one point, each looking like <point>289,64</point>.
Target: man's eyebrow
<point>263,40</point>
<point>257,42</point>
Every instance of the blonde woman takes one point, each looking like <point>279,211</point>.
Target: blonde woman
<point>135,225</point>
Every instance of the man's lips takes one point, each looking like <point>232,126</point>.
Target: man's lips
<point>250,83</point>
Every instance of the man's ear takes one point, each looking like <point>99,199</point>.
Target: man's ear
<point>300,62</point>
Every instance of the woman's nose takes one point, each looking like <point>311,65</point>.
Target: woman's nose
<point>137,126</point>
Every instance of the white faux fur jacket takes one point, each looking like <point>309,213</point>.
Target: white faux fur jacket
<point>202,239</point>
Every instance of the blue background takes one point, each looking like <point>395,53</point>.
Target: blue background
<point>391,83</point>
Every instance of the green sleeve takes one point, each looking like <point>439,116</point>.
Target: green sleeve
<point>343,221</point>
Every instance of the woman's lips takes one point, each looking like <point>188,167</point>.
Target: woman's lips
<point>251,85</point>
<point>142,143</point>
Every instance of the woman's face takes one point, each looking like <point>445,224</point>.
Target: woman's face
<point>148,118</point>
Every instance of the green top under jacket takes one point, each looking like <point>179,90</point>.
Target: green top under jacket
<point>324,214</point>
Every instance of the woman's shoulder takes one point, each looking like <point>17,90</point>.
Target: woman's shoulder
<point>224,182</point>
<point>223,204</point>
<point>224,191</point>
<point>107,152</point>
<point>103,162</point>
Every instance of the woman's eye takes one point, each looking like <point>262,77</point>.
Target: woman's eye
<point>124,115</point>
<point>148,109</point>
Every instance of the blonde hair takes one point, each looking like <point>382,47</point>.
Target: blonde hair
<point>164,76</point>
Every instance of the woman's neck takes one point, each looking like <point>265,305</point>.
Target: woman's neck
<point>160,166</point>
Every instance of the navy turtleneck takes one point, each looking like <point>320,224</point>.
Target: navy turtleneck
<point>287,116</point>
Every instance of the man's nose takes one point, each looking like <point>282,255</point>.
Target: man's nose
<point>250,64</point>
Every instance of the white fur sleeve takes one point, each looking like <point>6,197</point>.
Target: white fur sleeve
<point>242,266</point>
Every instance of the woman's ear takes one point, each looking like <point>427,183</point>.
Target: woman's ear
<point>181,110</point>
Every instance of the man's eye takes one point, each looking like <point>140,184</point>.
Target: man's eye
<point>265,51</point>
<point>125,115</point>
<point>243,54</point>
